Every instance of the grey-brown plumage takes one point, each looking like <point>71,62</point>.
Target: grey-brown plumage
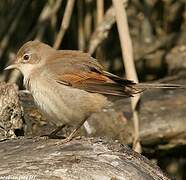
<point>70,85</point>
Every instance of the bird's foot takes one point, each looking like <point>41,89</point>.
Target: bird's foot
<point>69,138</point>
<point>52,136</point>
<point>63,141</point>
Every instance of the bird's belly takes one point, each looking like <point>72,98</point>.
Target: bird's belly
<point>52,106</point>
<point>67,105</point>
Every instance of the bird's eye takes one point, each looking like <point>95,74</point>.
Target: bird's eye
<point>26,57</point>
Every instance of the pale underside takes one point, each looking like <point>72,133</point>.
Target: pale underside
<point>64,104</point>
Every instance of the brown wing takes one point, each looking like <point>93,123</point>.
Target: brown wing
<point>79,70</point>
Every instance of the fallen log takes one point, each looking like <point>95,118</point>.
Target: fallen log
<point>85,158</point>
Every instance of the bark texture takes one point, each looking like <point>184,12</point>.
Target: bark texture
<point>85,159</point>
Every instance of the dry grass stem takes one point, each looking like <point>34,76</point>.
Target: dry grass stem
<point>127,52</point>
<point>81,36</point>
<point>100,11</point>
<point>64,23</point>
<point>88,19</point>
<point>6,39</point>
<point>102,30</point>
<point>47,13</point>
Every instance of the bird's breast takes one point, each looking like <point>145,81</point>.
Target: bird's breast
<point>64,104</point>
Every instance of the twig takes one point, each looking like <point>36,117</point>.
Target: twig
<point>127,52</point>
<point>100,11</point>
<point>81,36</point>
<point>88,19</point>
<point>99,16</point>
<point>5,41</point>
<point>11,16</point>
<point>102,29</point>
<point>46,14</point>
<point>64,23</point>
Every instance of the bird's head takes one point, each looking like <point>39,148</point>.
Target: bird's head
<point>32,54</point>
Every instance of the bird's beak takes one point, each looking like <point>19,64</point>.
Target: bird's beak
<point>12,66</point>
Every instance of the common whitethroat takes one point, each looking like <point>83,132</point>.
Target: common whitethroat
<point>68,86</point>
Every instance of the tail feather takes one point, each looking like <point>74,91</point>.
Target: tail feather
<point>159,86</point>
<point>130,88</point>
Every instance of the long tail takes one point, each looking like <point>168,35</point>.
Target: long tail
<point>128,88</point>
<point>159,86</point>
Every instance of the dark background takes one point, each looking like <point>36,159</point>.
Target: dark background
<point>157,29</point>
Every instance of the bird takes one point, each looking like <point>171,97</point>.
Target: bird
<point>70,85</point>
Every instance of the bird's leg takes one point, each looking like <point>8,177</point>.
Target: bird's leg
<point>53,134</point>
<point>72,134</point>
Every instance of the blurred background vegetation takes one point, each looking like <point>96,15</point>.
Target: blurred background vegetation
<point>157,29</point>
<point>156,26</point>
